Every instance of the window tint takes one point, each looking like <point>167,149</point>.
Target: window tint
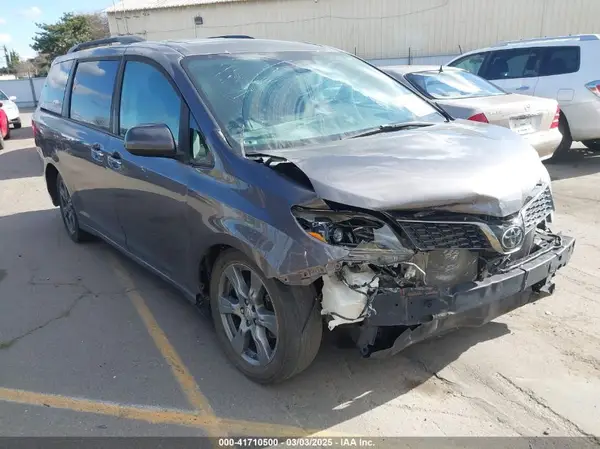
<point>517,63</point>
<point>560,60</point>
<point>3,96</point>
<point>53,92</point>
<point>91,97</point>
<point>470,63</point>
<point>148,97</point>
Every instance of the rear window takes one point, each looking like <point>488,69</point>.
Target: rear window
<point>452,84</point>
<point>53,93</point>
<point>92,93</point>
<point>560,60</point>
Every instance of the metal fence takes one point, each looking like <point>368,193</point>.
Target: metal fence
<point>26,90</point>
<point>415,60</point>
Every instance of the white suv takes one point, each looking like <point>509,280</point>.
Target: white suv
<point>11,109</point>
<point>561,68</point>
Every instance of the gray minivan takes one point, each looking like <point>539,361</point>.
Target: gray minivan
<point>289,186</point>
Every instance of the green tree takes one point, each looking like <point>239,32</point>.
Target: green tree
<point>55,39</point>
<point>14,61</point>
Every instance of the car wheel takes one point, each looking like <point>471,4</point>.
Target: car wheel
<point>68,213</point>
<point>268,330</point>
<point>17,125</point>
<point>565,144</point>
<point>593,145</point>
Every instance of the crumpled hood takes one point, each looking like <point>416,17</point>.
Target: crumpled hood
<point>460,167</point>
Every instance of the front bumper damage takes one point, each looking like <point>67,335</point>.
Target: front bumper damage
<point>409,315</point>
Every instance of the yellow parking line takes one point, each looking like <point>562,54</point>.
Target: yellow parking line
<point>153,415</point>
<point>185,379</point>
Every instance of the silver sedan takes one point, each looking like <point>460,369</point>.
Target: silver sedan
<point>464,95</point>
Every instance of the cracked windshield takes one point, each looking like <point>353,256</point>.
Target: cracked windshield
<point>289,99</point>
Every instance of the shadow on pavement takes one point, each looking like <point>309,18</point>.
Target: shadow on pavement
<point>578,162</point>
<point>20,134</point>
<point>340,385</point>
<point>22,163</point>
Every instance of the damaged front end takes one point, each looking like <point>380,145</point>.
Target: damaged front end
<point>411,275</point>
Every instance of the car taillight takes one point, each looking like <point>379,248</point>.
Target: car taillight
<point>556,119</point>
<point>479,118</point>
<point>594,87</point>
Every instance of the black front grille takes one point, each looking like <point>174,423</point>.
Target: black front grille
<point>538,209</point>
<point>428,236</point>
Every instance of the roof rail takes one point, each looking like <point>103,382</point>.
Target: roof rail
<point>106,41</point>
<point>232,36</point>
<point>579,37</point>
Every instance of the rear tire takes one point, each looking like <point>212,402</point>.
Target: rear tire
<point>68,213</point>
<point>564,148</point>
<point>593,145</point>
<point>299,326</point>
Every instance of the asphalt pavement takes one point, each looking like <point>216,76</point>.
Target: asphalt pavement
<point>93,345</point>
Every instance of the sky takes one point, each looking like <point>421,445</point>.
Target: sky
<point>18,19</point>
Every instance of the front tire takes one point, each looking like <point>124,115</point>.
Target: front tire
<point>68,213</point>
<point>268,330</point>
<point>17,125</point>
<point>593,145</point>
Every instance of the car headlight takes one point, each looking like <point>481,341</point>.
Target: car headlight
<point>366,237</point>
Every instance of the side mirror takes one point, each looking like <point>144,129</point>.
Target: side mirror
<point>13,98</point>
<point>155,140</point>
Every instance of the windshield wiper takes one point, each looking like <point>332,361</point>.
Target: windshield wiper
<point>391,128</point>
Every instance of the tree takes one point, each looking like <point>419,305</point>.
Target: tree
<point>14,62</point>
<point>55,39</point>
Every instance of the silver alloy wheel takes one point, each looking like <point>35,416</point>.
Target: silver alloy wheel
<point>247,314</point>
<point>66,207</point>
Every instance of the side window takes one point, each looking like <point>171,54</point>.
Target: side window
<point>560,60</point>
<point>53,93</point>
<point>148,97</point>
<point>470,63</point>
<point>517,63</point>
<point>199,148</point>
<point>91,97</point>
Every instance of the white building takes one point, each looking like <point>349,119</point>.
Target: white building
<point>372,29</point>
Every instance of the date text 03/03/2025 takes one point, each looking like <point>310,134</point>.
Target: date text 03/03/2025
<point>296,442</point>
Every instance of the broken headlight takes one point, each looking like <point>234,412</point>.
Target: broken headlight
<point>366,237</point>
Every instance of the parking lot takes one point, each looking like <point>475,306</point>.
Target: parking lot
<point>93,345</point>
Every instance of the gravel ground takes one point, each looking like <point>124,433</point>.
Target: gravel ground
<point>91,344</point>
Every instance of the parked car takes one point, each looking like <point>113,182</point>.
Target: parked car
<point>4,128</point>
<point>12,110</point>
<point>466,96</point>
<point>284,184</point>
<point>562,68</point>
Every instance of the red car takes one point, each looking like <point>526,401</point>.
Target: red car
<point>4,128</point>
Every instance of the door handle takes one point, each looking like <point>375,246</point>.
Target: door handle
<point>523,88</point>
<point>97,153</point>
<point>114,160</point>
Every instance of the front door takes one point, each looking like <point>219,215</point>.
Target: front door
<point>151,197</point>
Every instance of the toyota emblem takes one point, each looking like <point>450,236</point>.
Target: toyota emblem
<point>513,237</point>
